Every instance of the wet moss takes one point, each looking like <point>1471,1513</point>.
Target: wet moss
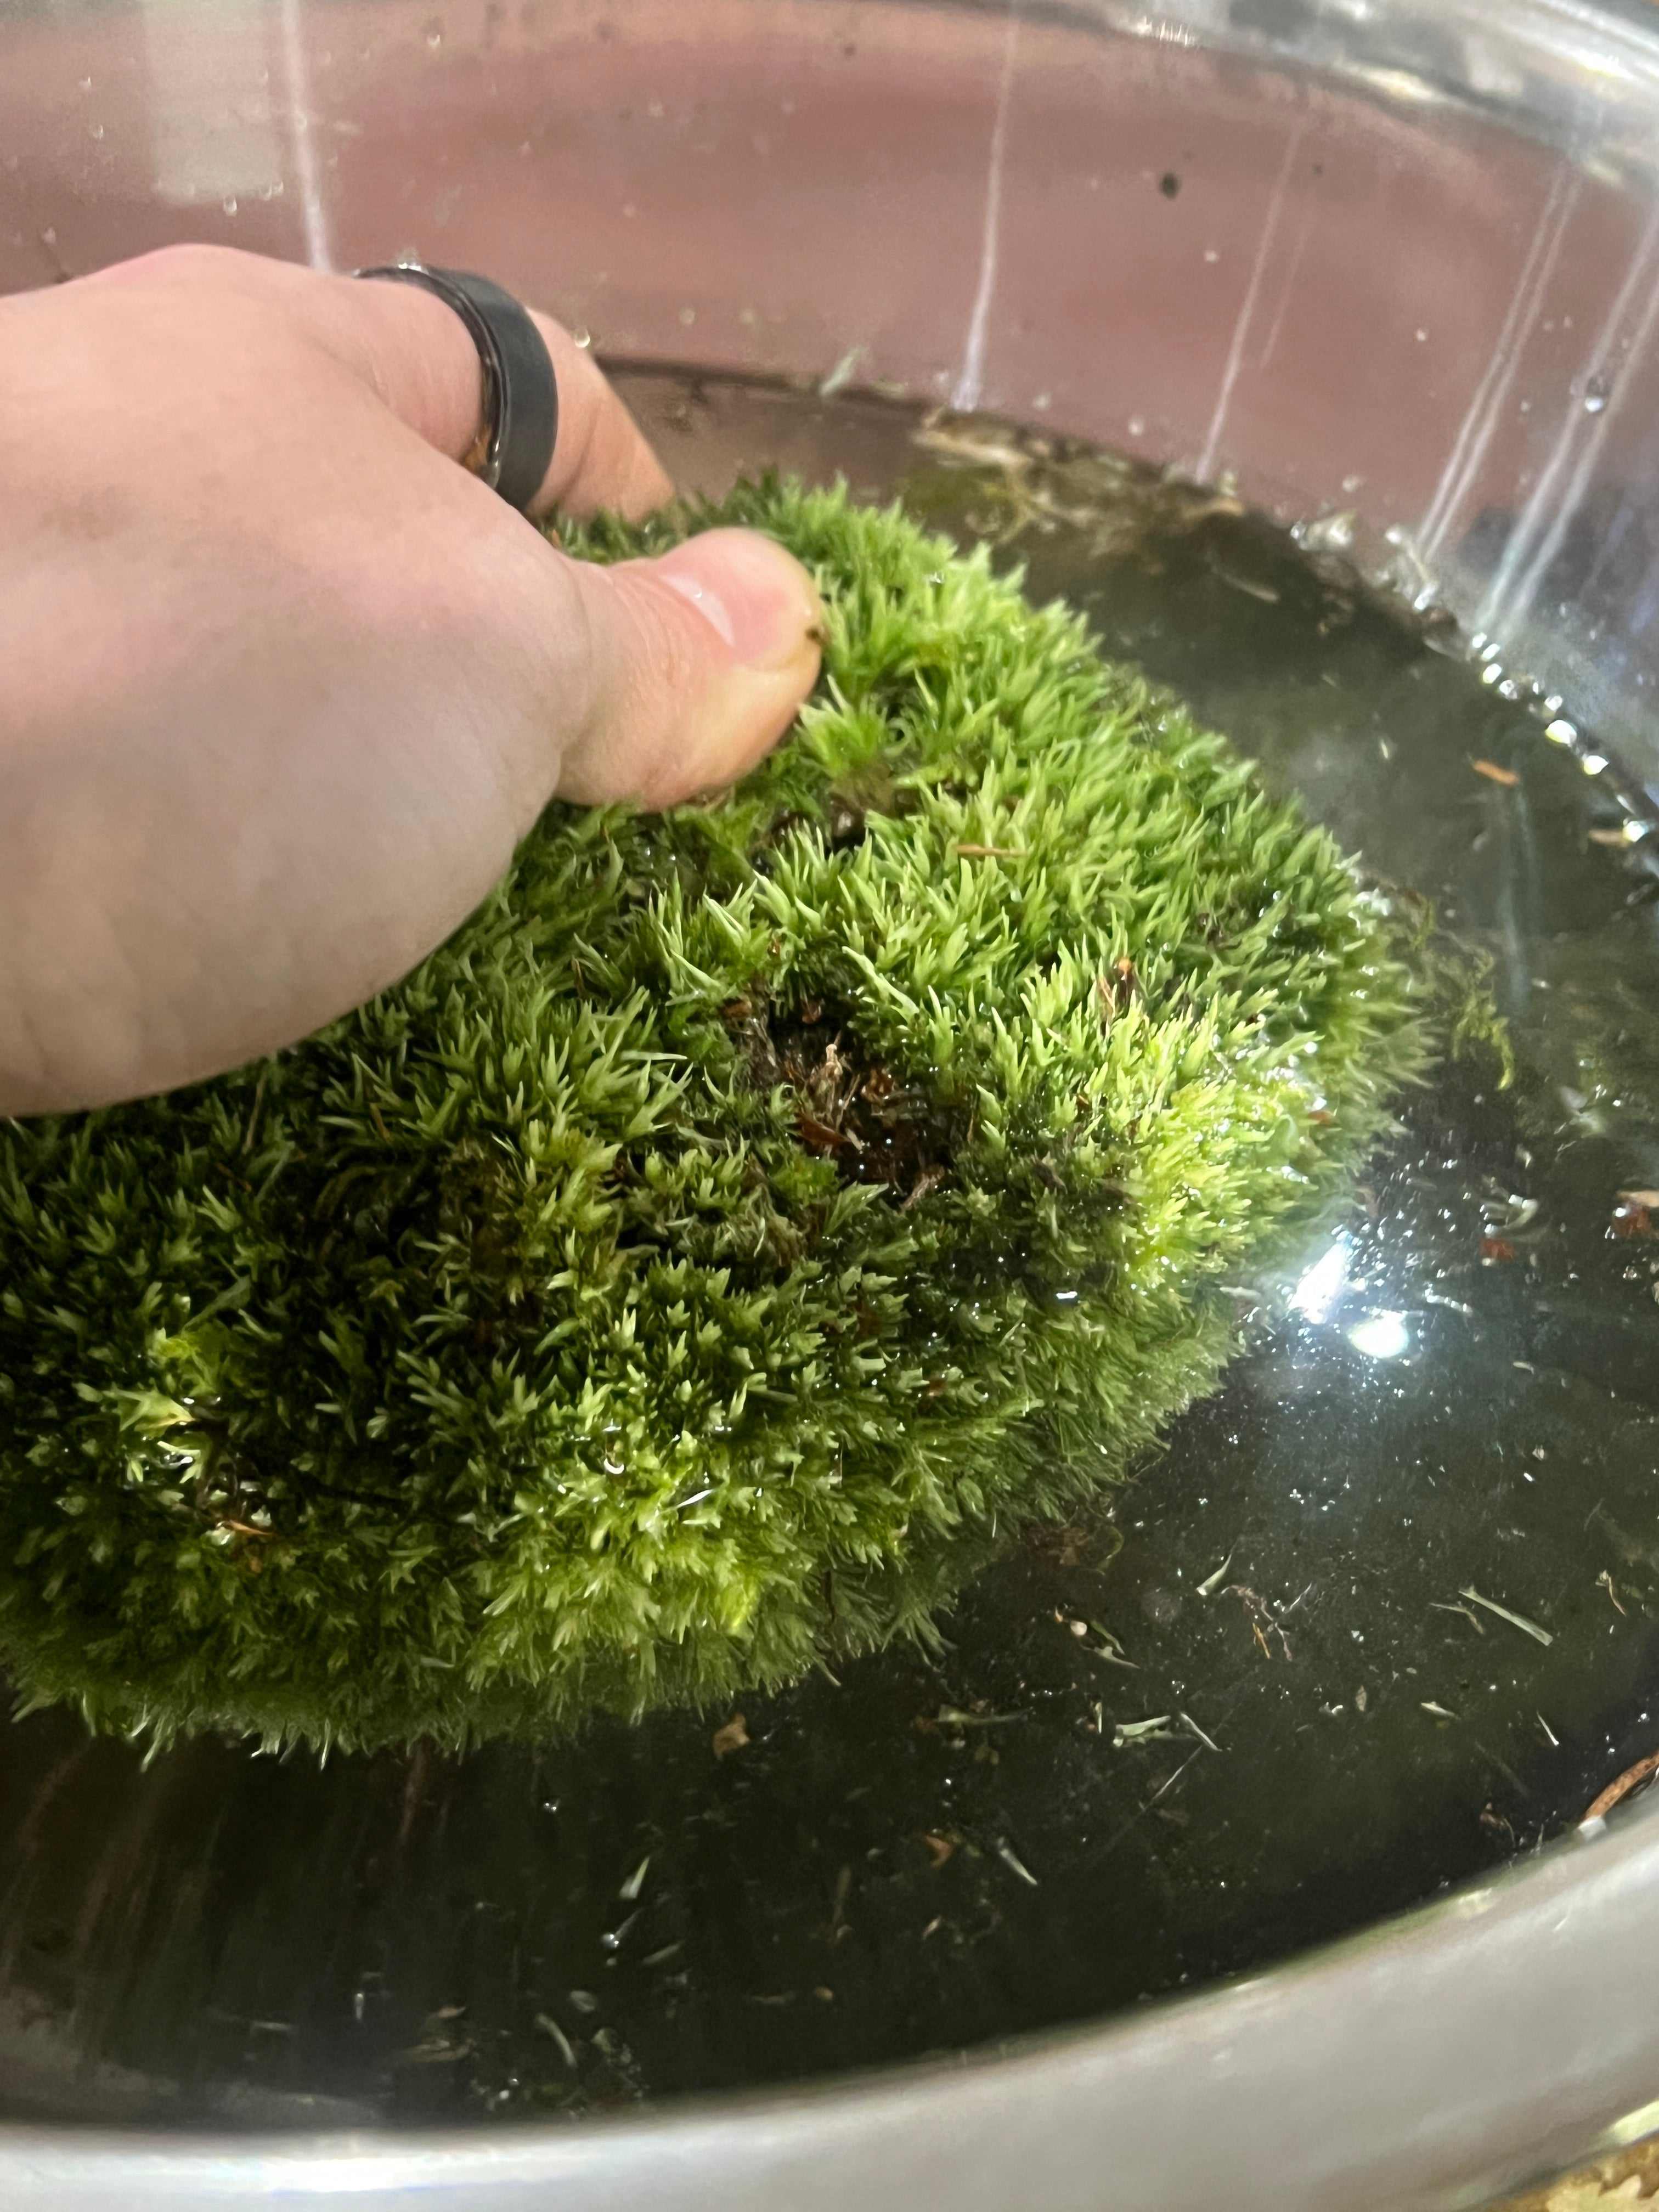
<point>688,1273</point>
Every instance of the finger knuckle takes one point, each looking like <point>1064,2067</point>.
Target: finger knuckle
<point>190,261</point>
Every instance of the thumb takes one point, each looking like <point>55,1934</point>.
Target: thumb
<point>698,662</point>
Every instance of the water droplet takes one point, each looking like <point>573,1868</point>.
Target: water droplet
<point>228,202</point>
<point>1595,395</point>
<point>688,316</point>
<point>1137,426</point>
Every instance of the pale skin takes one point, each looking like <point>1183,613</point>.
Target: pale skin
<point>281,685</point>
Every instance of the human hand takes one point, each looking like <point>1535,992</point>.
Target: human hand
<point>281,685</point>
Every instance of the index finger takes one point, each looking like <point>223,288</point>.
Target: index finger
<point>424,363</point>
<point>418,356</point>
<point>601,458</point>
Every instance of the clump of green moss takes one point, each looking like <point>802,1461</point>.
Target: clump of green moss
<point>689,1270</point>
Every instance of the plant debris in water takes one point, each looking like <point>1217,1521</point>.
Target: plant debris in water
<point>686,1274</point>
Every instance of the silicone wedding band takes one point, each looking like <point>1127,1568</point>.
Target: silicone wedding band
<point>521,394</point>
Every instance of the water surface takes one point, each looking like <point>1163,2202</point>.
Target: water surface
<point>1455,1392</point>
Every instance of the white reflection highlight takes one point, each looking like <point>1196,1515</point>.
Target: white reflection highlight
<point>1381,1336</point>
<point>1318,1289</point>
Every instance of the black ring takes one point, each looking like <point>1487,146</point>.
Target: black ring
<point>521,394</point>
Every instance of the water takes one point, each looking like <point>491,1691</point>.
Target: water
<point>1458,1392</point>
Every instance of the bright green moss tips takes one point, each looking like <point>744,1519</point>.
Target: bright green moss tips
<point>748,1211</point>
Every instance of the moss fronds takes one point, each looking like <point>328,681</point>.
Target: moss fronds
<point>695,1263</point>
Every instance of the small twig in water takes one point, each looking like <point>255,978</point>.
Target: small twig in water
<point>1477,1626</point>
<point>1208,1741</point>
<point>1156,1730</point>
<point>1212,1583</point>
<point>1140,1811</point>
<point>1262,1623</point>
<point>844,371</point>
<point>1605,1582</point>
<point>1109,1648</point>
<point>1169,1783</point>
<point>1011,1859</point>
<point>635,1882</point>
<point>1631,1778</point>
<point>1515,1620</point>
